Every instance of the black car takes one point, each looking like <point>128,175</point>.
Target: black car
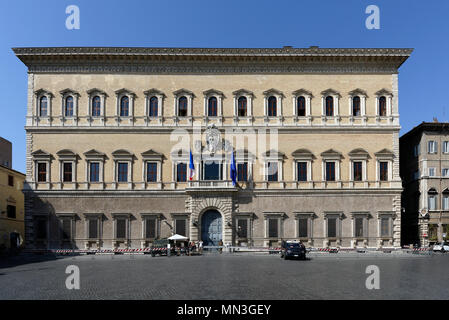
<point>293,249</point>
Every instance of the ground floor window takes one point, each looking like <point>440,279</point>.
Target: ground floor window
<point>242,228</point>
<point>331,227</point>
<point>303,227</point>
<point>273,228</point>
<point>93,229</point>
<point>180,226</point>
<point>150,228</point>
<point>433,232</point>
<point>66,226</point>
<point>41,229</point>
<point>11,211</point>
<point>385,227</point>
<point>120,232</point>
<point>359,227</point>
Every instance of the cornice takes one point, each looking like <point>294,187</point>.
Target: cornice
<point>211,60</point>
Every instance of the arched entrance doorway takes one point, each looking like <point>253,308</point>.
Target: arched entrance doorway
<point>211,228</point>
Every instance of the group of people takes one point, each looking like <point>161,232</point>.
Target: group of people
<point>188,248</point>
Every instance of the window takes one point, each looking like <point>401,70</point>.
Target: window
<point>43,106</point>
<point>329,106</point>
<point>153,112</point>
<point>96,106</point>
<point>272,106</point>
<point>212,107</point>
<point>331,227</point>
<point>445,146</point>
<point>41,229</point>
<point>181,172</point>
<point>66,229</point>
<point>11,181</point>
<point>385,227</point>
<point>180,227</point>
<point>41,172</point>
<point>416,150</point>
<point>120,228</point>
<point>445,200</point>
<point>432,172</point>
<point>358,227</point>
<point>357,167</point>
<point>330,171</point>
<point>11,211</point>
<point>302,171</point>
<point>242,106</point>
<point>445,172</point>
<point>272,171</point>
<point>432,199</point>
<point>432,147</point>
<point>356,106</point>
<point>383,171</point>
<point>182,107</point>
<point>69,106</point>
<point>150,228</point>
<point>416,175</point>
<point>94,174</point>
<point>122,172</point>
<point>242,172</point>
<point>273,228</point>
<point>124,106</point>
<point>382,106</point>
<point>93,229</point>
<point>303,226</point>
<point>301,105</point>
<point>151,171</point>
<point>242,228</point>
<point>67,172</point>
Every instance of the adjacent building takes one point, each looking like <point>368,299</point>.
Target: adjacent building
<point>425,175</point>
<point>5,153</point>
<point>113,134</point>
<point>12,226</point>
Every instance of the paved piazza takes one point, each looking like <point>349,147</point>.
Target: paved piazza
<point>225,277</point>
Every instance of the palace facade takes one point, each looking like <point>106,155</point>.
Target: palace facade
<point>314,133</point>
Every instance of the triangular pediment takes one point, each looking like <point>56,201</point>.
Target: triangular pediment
<point>358,92</point>
<point>150,153</point>
<point>183,92</point>
<point>331,153</point>
<point>41,92</point>
<point>385,152</point>
<point>384,92</point>
<point>94,153</point>
<point>212,92</point>
<point>273,91</point>
<point>243,92</point>
<point>330,92</point>
<point>124,91</point>
<point>68,91</point>
<point>95,91</point>
<point>302,92</point>
<point>153,91</point>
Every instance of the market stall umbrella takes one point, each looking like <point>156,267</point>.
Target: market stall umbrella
<point>177,237</point>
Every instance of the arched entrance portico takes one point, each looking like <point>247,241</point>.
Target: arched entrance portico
<point>211,228</point>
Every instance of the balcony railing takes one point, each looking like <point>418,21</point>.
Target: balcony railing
<point>212,184</point>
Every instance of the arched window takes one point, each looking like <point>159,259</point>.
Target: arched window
<point>272,106</point>
<point>96,106</point>
<point>301,106</point>
<point>69,106</point>
<point>382,106</point>
<point>124,106</point>
<point>212,107</point>
<point>356,106</point>
<point>182,107</point>
<point>242,107</point>
<point>329,106</point>
<point>43,106</point>
<point>153,112</point>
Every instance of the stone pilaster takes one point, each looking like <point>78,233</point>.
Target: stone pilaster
<point>397,221</point>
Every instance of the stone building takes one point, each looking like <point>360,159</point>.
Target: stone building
<point>12,212</point>
<point>5,153</point>
<point>314,133</point>
<point>425,175</point>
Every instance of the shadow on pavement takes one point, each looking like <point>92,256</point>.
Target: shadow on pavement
<point>24,258</point>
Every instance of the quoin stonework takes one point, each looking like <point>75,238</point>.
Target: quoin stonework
<point>314,133</point>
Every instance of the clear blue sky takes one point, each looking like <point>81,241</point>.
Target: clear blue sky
<point>423,25</point>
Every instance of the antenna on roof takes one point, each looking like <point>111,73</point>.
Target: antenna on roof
<point>435,119</point>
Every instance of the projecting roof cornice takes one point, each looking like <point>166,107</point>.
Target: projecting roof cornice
<point>211,60</point>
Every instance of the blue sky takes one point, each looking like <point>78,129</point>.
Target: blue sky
<point>422,25</point>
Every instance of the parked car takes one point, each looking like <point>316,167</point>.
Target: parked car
<point>293,249</point>
<point>443,247</point>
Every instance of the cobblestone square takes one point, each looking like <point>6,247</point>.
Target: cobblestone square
<point>224,277</point>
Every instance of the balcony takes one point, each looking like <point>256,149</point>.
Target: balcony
<point>211,185</point>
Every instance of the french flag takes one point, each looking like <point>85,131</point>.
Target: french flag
<point>191,167</point>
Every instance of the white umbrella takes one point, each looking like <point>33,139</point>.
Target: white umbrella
<point>177,237</point>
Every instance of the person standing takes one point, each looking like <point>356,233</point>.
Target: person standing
<point>200,246</point>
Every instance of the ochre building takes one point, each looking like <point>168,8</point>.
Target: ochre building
<point>314,133</point>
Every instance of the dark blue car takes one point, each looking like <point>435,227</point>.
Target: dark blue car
<point>293,249</point>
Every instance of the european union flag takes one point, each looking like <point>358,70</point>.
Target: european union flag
<point>233,170</point>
